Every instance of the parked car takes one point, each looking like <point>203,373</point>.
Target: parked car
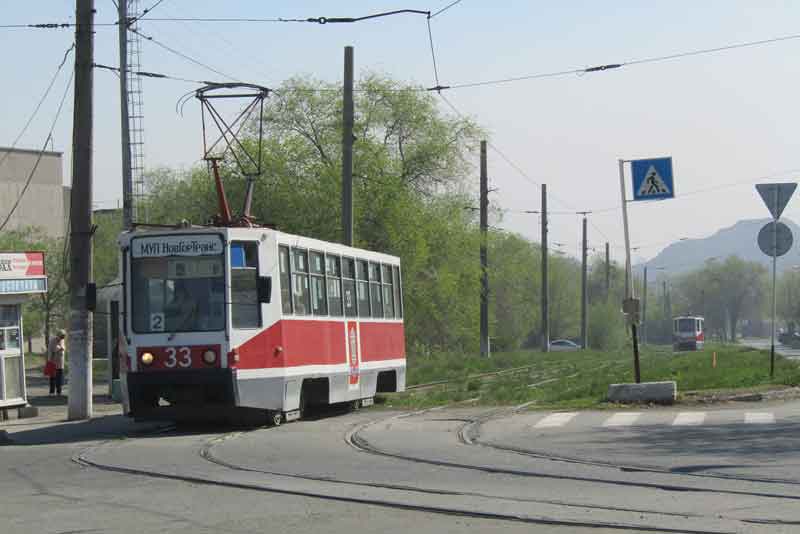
<point>563,345</point>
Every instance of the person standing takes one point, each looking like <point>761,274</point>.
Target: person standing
<point>55,354</point>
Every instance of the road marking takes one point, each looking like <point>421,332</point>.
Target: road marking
<point>759,418</point>
<point>689,418</point>
<point>555,419</point>
<point>622,419</point>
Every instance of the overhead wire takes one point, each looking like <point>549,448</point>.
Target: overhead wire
<point>445,8</point>
<point>38,104</point>
<point>181,54</point>
<point>39,157</point>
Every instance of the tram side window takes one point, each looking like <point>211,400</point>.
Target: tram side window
<point>362,288</point>
<point>349,287</point>
<point>398,294</point>
<point>388,297</point>
<point>319,304</point>
<point>334,281</point>
<point>286,281</point>
<point>245,307</point>
<point>302,301</point>
<point>375,289</point>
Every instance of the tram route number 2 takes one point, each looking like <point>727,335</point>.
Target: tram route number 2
<point>180,356</point>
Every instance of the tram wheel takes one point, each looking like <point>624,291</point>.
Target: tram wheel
<point>276,419</point>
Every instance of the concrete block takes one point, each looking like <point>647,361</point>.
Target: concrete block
<point>25,412</point>
<point>658,392</point>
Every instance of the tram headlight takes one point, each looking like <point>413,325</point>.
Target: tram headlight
<point>209,357</point>
<point>148,358</point>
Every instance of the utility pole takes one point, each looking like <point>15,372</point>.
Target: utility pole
<point>545,285</point>
<point>127,175</point>
<point>484,207</point>
<point>80,273</point>
<point>644,308</point>
<point>347,148</point>
<point>608,270</point>
<point>584,292</point>
<point>629,298</point>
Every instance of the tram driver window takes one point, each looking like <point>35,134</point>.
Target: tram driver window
<point>245,306</point>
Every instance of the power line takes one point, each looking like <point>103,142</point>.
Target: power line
<point>41,153</point>
<point>157,75</point>
<point>433,53</point>
<point>181,54</point>
<point>611,66</point>
<point>144,13</point>
<point>38,105</point>
<point>445,8</point>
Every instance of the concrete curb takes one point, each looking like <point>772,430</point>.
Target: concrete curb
<point>657,392</point>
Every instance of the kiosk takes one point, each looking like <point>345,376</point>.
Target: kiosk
<point>21,275</point>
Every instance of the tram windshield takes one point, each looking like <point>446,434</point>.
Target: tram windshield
<point>178,294</point>
<point>685,325</point>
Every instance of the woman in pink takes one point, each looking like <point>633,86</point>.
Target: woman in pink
<point>55,354</point>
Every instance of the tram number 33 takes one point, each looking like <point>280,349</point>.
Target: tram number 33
<point>181,356</point>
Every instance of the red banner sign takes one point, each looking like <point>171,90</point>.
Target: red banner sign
<point>19,265</point>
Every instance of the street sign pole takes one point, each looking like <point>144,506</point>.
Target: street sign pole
<point>774,307</point>
<point>775,196</point>
<point>628,273</point>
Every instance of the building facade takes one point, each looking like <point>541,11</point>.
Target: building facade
<point>45,203</point>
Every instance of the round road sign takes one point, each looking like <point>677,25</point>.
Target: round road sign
<point>767,239</point>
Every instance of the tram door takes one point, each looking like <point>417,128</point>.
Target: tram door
<point>354,291</point>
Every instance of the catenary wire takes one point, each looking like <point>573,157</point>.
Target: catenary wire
<point>181,54</point>
<point>38,105</point>
<point>41,153</point>
<point>445,8</point>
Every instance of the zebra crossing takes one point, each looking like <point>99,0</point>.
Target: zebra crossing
<point>633,419</point>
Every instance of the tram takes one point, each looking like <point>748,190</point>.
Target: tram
<point>223,320</point>
<point>688,333</point>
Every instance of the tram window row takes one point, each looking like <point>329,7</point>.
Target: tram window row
<point>316,283</point>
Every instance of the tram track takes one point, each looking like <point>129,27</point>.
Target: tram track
<point>205,452</point>
<point>354,439</point>
<point>470,431</point>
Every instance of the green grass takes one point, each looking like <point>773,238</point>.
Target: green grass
<point>581,379</point>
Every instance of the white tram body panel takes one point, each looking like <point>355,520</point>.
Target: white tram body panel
<point>219,318</point>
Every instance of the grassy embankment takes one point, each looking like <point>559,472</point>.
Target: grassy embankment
<point>581,379</point>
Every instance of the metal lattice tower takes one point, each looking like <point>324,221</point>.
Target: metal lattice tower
<point>136,115</point>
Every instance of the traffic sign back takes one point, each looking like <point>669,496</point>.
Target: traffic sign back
<point>652,179</point>
<point>772,244</point>
<point>776,196</point>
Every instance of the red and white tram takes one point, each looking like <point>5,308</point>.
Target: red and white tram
<point>256,320</point>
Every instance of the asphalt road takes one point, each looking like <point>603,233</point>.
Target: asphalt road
<point>764,344</point>
<point>730,469</point>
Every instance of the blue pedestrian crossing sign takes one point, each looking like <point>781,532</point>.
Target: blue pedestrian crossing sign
<point>652,179</point>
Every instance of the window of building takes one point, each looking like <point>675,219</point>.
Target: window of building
<point>319,303</point>
<point>398,294</point>
<point>388,293</point>
<point>334,282</point>
<point>9,327</point>
<point>286,281</point>
<point>245,306</point>
<point>375,291</point>
<point>300,291</point>
<point>362,288</point>
<point>349,287</point>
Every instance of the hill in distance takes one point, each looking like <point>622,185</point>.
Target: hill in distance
<point>737,240</point>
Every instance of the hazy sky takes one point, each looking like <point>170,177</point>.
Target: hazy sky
<point>725,118</point>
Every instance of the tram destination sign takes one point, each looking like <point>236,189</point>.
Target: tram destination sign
<point>176,245</point>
